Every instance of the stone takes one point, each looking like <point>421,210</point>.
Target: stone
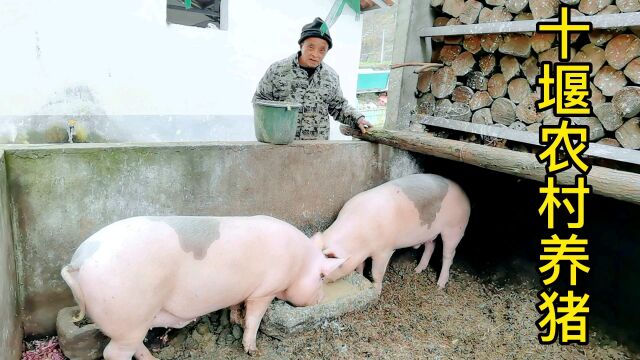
<point>79,343</point>
<point>351,293</point>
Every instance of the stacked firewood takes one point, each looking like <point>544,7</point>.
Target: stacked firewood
<point>490,78</point>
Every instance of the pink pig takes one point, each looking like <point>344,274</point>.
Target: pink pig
<point>409,211</point>
<point>146,272</point>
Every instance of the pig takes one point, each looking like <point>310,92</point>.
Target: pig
<point>405,212</point>
<point>145,272</point>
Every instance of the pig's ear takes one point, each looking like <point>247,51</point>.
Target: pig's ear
<point>329,265</point>
<point>317,240</point>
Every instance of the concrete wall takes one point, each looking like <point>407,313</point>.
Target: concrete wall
<point>10,330</point>
<point>121,58</point>
<point>63,194</point>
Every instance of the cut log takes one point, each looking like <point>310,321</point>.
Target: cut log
<point>485,15</point>
<point>530,70</point>
<point>600,37</point>
<point>424,83</point>
<point>482,116</point>
<point>462,94</point>
<point>632,71</point>
<point>470,12</point>
<point>628,135</point>
<point>487,64</point>
<point>622,49</point>
<point>523,16</point>
<point>535,127</point>
<point>427,105</point>
<point>518,125</point>
<point>476,81</point>
<point>526,111</point>
<point>515,6</point>
<point>590,7</point>
<point>460,112</point>
<point>544,9</point>
<point>542,41</point>
<point>454,39</point>
<point>435,54</point>
<point>453,7</point>
<point>503,111</point>
<point>439,21</point>
<point>591,54</point>
<point>610,118</point>
<point>462,64</point>
<point>596,130</point>
<point>448,53</point>
<point>628,5</point>
<point>609,80</point>
<point>491,42</point>
<point>596,97</point>
<point>611,9</point>
<point>442,108</point>
<point>509,67</point>
<point>518,89</point>
<point>471,43</point>
<point>497,86</point>
<point>517,45</point>
<point>480,99</point>
<point>627,101</point>
<point>609,142</point>
<point>443,82</point>
<point>500,14</point>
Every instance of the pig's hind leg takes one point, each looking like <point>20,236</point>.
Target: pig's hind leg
<point>124,347</point>
<point>450,240</point>
<point>429,246</point>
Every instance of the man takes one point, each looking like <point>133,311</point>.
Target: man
<point>303,78</point>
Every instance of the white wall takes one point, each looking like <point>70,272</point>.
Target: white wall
<point>133,63</point>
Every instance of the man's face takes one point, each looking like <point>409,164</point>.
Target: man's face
<point>313,50</point>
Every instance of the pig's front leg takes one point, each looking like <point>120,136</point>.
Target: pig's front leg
<point>379,264</point>
<point>254,311</point>
<point>429,246</point>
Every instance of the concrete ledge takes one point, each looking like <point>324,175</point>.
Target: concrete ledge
<point>351,293</point>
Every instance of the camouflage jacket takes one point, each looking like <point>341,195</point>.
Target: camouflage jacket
<point>320,96</point>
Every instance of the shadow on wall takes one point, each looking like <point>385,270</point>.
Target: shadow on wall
<point>502,243</point>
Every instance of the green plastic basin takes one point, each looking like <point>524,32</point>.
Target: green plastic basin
<point>275,122</point>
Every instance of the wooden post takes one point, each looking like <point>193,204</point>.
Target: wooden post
<point>616,184</point>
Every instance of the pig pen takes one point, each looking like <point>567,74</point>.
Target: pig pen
<point>54,196</point>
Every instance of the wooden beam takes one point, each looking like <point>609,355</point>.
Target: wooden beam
<point>599,22</point>
<point>615,184</point>
<point>595,150</point>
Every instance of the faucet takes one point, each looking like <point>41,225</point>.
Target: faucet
<point>71,129</point>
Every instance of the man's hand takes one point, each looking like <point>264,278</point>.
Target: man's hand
<point>363,124</point>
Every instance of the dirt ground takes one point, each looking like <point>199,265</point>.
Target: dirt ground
<point>471,319</point>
